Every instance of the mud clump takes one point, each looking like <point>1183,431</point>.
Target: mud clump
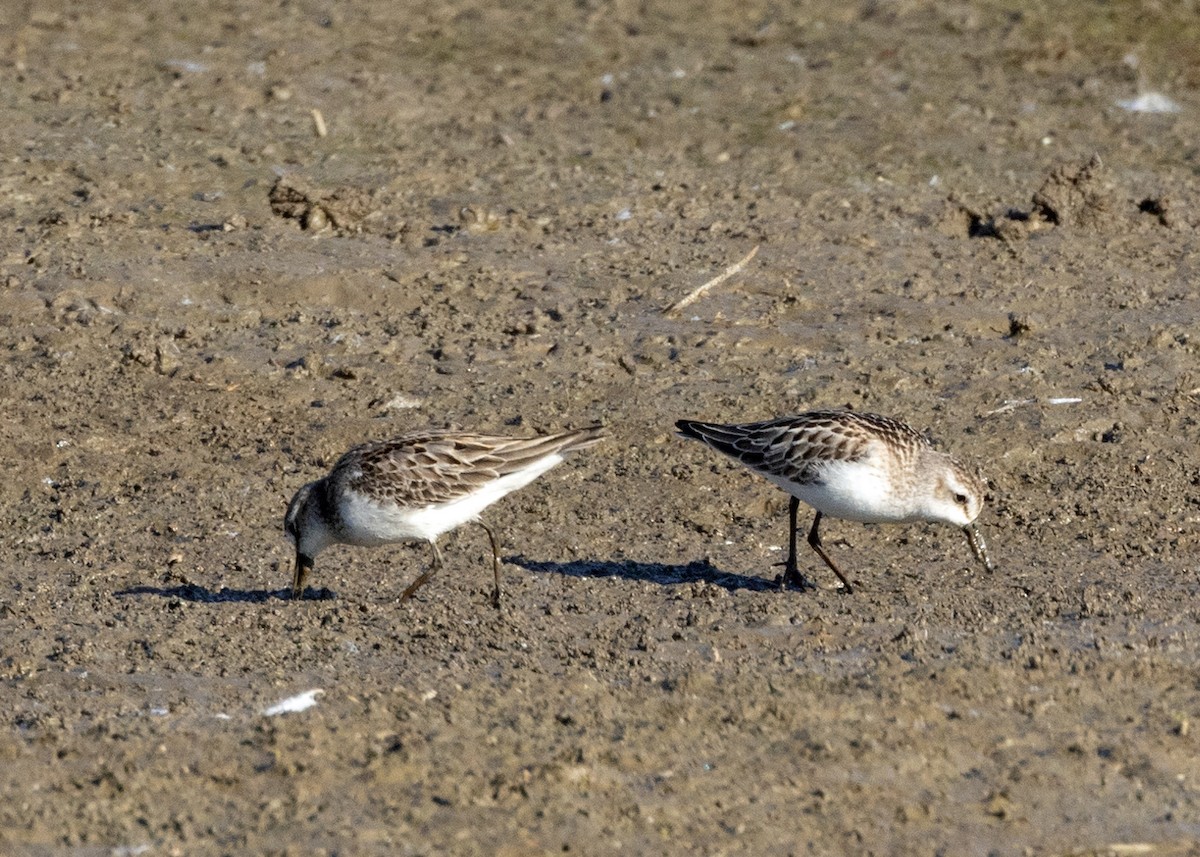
<point>343,209</point>
<point>1076,196</point>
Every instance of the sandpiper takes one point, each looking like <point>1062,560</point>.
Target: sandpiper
<point>417,487</point>
<point>855,466</point>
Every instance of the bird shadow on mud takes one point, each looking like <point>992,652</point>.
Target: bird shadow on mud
<point>697,571</point>
<point>203,595</point>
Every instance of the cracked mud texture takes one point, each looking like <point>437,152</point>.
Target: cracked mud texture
<point>205,302</point>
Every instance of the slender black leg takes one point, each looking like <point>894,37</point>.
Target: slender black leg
<point>495,563</point>
<point>791,573</point>
<point>814,540</point>
<point>424,576</point>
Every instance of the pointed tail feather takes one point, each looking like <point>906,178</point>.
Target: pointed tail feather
<point>720,437</point>
<point>518,453</point>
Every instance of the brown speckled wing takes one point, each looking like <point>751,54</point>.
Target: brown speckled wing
<point>794,447</point>
<point>431,468</point>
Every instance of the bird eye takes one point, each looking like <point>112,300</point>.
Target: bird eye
<point>960,499</point>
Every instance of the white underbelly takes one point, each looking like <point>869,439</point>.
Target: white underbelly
<point>852,492</point>
<point>367,523</point>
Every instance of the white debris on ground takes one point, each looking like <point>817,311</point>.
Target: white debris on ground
<point>1149,102</point>
<point>292,704</point>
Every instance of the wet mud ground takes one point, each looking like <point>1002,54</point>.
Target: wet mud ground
<point>205,301</point>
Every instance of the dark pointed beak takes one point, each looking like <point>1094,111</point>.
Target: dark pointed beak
<point>978,546</point>
<point>304,565</point>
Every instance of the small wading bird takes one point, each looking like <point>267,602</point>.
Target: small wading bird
<point>417,487</point>
<point>859,467</point>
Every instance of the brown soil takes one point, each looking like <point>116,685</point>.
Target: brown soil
<point>206,301</point>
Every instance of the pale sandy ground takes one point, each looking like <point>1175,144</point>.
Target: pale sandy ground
<point>503,202</point>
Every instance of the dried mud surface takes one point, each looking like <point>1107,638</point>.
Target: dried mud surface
<point>204,301</point>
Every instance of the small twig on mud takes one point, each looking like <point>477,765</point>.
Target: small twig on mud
<point>698,292</point>
<point>1010,405</point>
<point>319,123</point>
